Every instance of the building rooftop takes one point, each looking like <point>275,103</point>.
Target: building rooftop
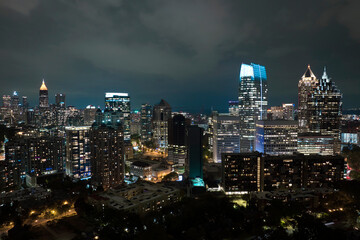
<point>43,86</point>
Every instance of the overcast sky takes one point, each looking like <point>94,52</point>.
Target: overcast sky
<point>187,52</point>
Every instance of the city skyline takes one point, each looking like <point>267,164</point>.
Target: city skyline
<point>223,107</point>
<point>125,46</point>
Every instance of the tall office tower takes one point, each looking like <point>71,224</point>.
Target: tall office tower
<point>242,172</point>
<point>288,110</point>
<point>234,108</point>
<point>276,137</point>
<point>226,136</point>
<point>161,115</point>
<point>146,116</point>
<point>43,96</point>
<point>89,115</point>
<point>252,102</point>
<point>6,101</point>
<point>15,101</point>
<point>107,155</point>
<point>275,113</point>
<point>120,102</point>
<point>135,125</point>
<point>309,143</point>
<point>325,108</point>
<point>177,147</point>
<point>25,102</point>
<point>78,152</point>
<point>60,100</point>
<point>194,143</point>
<point>306,88</point>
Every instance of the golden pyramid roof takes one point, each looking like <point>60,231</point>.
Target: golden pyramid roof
<point>43,86</point>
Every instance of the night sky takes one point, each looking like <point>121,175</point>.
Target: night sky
<point>187,52</point>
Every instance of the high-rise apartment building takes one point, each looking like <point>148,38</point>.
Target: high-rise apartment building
<point>252,102</point>
<point>78,152</point>
<point>120,102</point>
<point>107,155</point>
<point>35,156</point>
<point>161,116</point>
<point>251,172</point>
<point>242,172</point>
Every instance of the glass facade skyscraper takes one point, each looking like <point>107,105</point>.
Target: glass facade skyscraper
<point>325,108</point>
<point>145,121</point>
<point>252,102</point>
<point>120,102</point>
<point>226,137</point>
<point>161,116</point>
<point>306,88</point>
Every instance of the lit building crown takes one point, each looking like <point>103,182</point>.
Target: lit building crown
<point>43,86</point>
<point>309,73</point>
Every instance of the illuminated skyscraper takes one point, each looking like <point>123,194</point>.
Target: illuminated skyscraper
<point>120,102</point>
<point>146,116</point>
<point>78,152</point>
<point>89,115</point>
<point>288,109</point>
<point>15,100</point>
<point>43,96</point>
<point>177,146</point>
<point>276,137</point>
<point>6,101</point>
<point>226,138</point>
<point>161,115</point>
<point>306,88</point>
<point>107,155</point>
<point>252,102</point>
<point>325,108</point>
<point>60,100</point>
<point>234,108</point>
<point>194,143</point>
<point>25,102</point>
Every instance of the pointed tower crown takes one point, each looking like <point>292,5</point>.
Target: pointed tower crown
<point>325,76</point>
<point>308,73</point>
<point>43,86</point>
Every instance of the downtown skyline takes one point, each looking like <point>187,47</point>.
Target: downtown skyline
<point>198,50</point>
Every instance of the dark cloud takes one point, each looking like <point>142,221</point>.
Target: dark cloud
<point>187,52</point>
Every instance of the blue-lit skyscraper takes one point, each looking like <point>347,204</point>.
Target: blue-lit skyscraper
<point>120,102</point>
<point>252,102</point>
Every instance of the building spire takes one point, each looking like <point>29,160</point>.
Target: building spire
<point>309,73</point>
<point>43,86</point>
<point>325,76</point>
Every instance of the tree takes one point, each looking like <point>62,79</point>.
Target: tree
<point>352,153</point>
<point>170,177</point>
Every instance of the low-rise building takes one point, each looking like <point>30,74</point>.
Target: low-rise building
<point>139,198</point>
